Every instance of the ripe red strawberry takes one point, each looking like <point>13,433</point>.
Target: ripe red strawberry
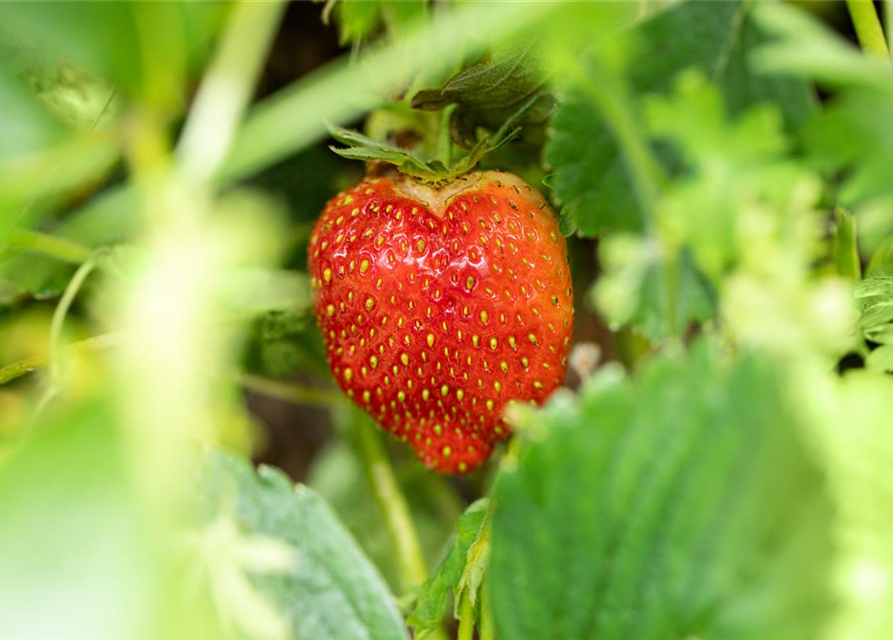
<point>438,306</point>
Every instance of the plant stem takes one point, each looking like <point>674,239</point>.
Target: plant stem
<point>61,311</point>
<point>290,392</point>
<point>466,618</point>
<point>56,326</point>
<point>392,503</point>
<point>444,141</point>
<point>23,367</point>
<point>868,28</point>
<point>671,284</point>
<point>488,628</point>
<point>48,245</point>
<point>888,18</point>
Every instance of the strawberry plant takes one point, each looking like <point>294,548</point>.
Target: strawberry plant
<point>427,319</point>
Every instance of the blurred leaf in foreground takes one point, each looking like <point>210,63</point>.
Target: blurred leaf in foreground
<point>681,504</point>
<point>147,50</point>
<point>852,429</point>
<point>330,591</point>
<point>73,546</point>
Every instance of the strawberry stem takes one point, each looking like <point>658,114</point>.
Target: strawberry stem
<point>392,503</point>
<point>56,326</point>
<point>290,392</point>
<point>487,630</point>
<point>20,368</point>
<point>466,619</point>
<point>444,141</point>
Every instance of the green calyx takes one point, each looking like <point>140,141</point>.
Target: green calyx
<point>432,172</point>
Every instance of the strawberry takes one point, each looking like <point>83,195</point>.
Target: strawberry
<point>438,306</point>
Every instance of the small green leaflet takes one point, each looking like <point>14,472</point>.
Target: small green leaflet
<point>331,591</point>
<point>437,590</point>
<point>361,147</point>
<point>681,504</point>
<point>876,322</point>
<point>716,38</point>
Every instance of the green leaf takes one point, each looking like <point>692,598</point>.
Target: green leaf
<point>331,590</point>
<point>716,38</point>
<point>882,258</point>
<point>876,322</point>
<point>876,285</point>
<point>284,342</point>
<point>490,92</point>
<point>634,288</point>
<point>364,148</point>
<point>437,590</point>
<point>852,137</point>
<point>681,504</point>
<point>880,359</point>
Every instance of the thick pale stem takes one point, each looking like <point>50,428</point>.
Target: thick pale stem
<point>466,619</point>
<point>444,142</point>
<point>60,314</point>
<point>868,28</point>
<point>227,87</point>
<point>23,367</point>
<point>389,497</point>
<point>488,628</point>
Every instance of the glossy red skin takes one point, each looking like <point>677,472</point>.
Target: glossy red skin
<point>432,324</point>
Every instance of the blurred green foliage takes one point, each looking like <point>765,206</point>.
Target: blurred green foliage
<point>715,38</point>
